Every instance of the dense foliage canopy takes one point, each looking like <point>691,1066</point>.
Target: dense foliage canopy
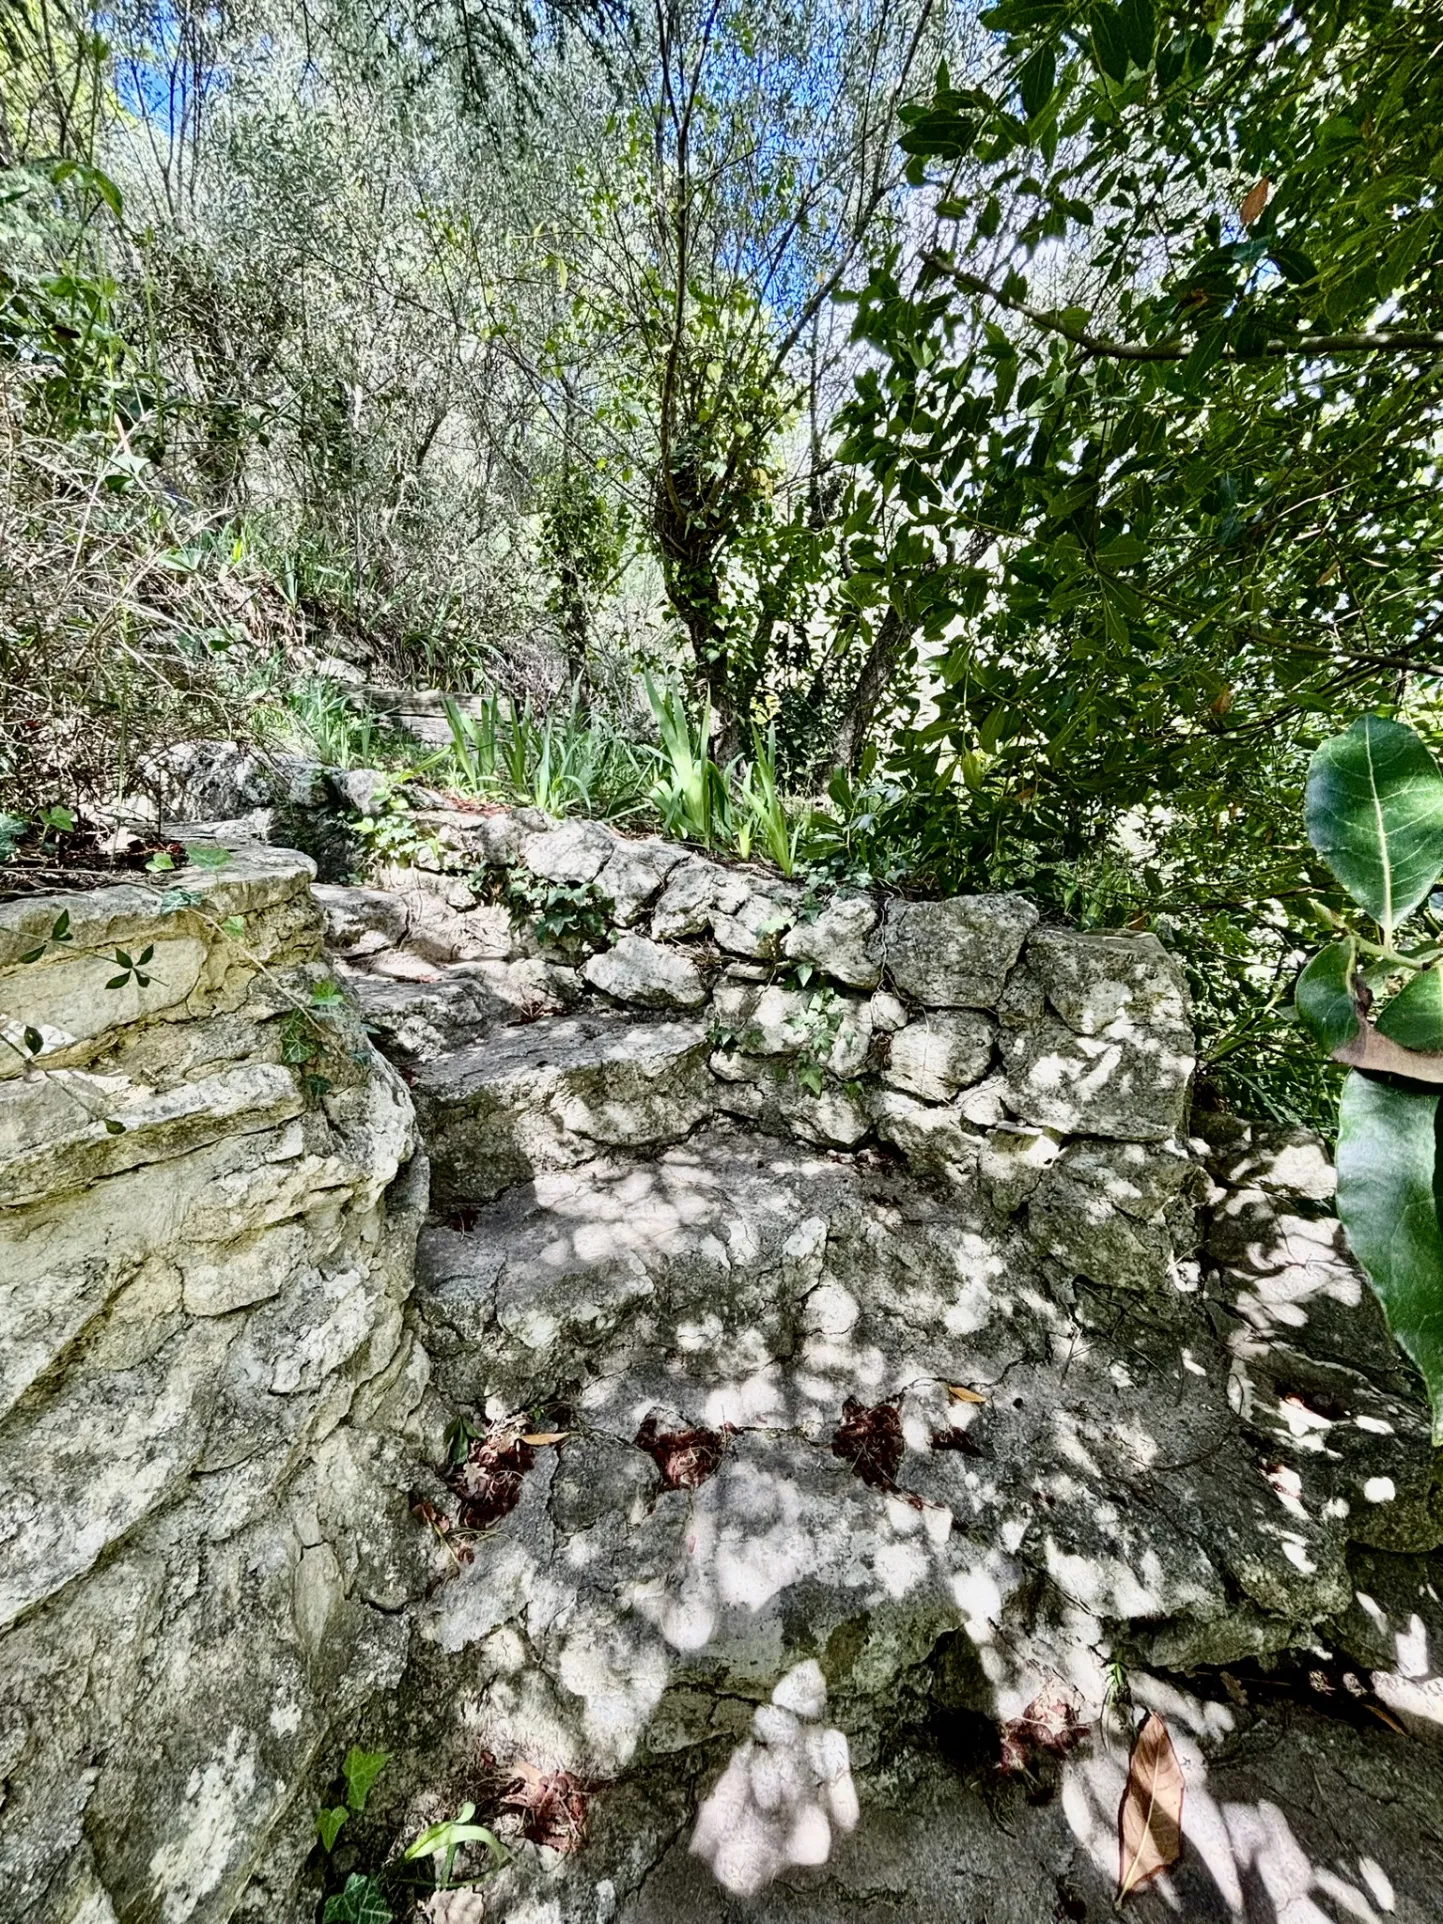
<point>1030,418</point>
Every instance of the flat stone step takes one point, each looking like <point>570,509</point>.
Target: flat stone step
<point>548,1094</point>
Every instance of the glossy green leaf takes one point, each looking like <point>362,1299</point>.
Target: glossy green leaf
<point>1414,1018</point>
<point>1388,1199</point>
<point>1139,26</point>
<point>1374,813</point>
<point>1324,997</point>
<point>328,1825</point>
<point>1109,41</point>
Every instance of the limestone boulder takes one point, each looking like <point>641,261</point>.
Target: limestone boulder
<point>633,876</point>
<point>956,954</point>
<point>543,1096</point>
<point>205,1389</point>
<point>940,1054</point>
<point>1114,1054</point>
<point>843,942</point>
<point>646,973</point>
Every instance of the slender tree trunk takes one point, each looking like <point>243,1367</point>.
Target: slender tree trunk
<point>850,741</point>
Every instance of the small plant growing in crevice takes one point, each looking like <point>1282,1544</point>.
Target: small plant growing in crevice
<point>571,916</point>
<point>366,1897</point>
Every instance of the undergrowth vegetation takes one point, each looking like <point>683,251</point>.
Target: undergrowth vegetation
<point>1002,476</point>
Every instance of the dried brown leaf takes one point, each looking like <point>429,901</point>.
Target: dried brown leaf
<point>959,1393</point>
<point>553,1805</point>
<point>1149,1821</point>
<point>1254,201</point>
<point>686,1458</point>
<point>870,1439</point>
<point>1049,1727</point>
<point>539,1437</point>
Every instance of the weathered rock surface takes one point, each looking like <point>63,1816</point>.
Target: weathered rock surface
<point>542,1096</point>
<point>870,1399</point>
<point>205,1389</point>
<point>957,954</point>
<point>785,1673</point>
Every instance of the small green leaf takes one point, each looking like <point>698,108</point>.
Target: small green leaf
<point>32,955</point>
<point>1374,813</point>
<point>1109,41</point>
<point>34,1041</point>
<point>207,855</point>
<point>234,926</point>
<point>145,955</point>
<point>160,862</point>
<point>118,981</point>
<point>1324,997</point>
<point>1388,1197</point>
<point>1414,1018</point>
<point>446,1837</point>
<point>361,1902</point>
<point>114,1128</point>
<point>60,928</point>
<point>360,1770</point>
<point>328,1825</point>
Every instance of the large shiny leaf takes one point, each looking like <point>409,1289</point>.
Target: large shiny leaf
<point>1388,1198</point>
<point>1415,1015</point>
<point>1324,997</point>
<point>1374,813</point>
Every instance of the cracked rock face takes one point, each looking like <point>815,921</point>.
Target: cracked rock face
<point>204,1390</point>
<point>768,1668</point>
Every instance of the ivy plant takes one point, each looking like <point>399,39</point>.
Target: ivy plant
<point>1374,1000</point>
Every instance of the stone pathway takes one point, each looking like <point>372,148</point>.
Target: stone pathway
<point>896,1443</point>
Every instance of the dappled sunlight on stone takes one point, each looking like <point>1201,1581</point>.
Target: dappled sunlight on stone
<point>782,1794</point>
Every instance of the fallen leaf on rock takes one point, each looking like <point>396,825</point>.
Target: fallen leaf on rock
<point>686,1458</point>
<point>1149,1821</point>
<point>553,1806</point>
<point>488,1477</point>
<point>959,1393</point>
<point>540,1437</point>
<point>870,1440</point>
<point>1048,1727</point>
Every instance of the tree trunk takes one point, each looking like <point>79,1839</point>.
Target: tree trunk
<point>850,742</point>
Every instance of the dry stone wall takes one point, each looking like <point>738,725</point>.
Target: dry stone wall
<point>1047,1065</point>
<point>206,1390</point>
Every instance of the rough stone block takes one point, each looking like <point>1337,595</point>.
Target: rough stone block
<point>939,1054</point>
<point>956,954</point>
<point>646,973</point>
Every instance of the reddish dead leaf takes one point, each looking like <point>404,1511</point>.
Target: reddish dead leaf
<point>1254,201</point>
<point>553,1806</point>
<point>1149,1821</point>
<point>1049,1727</point>
<point>870,1440</point>
<point>686,1458</point>
<point>488,1479</point>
